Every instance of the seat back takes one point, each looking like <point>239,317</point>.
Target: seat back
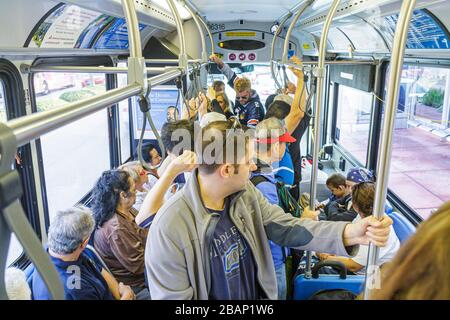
<point>90,252</point>
<point>402,227</point>
<point>29,271</point>
<point>305,288</point>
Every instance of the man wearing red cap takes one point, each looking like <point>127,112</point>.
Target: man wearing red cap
<point>271,140</point>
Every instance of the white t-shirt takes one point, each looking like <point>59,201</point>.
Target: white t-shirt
<point>385,253</point>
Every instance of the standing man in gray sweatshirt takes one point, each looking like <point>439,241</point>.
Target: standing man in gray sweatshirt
<point>210,240</point>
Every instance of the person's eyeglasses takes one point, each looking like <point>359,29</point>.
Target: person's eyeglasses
<point>243,98</point>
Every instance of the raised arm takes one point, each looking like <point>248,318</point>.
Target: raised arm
<point>155,197</point>
<point>225,69</point>
<point>299,104</point>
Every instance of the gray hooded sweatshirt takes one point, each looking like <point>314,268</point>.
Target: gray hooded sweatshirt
<point>177,252</point>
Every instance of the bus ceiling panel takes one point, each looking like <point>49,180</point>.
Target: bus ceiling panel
<point>442,12</point>
<point>337,39</point>
<point>250,10</point>
<point>365,36</point>
<point>350,11</point>
<point>18,17</point>
<point>148,13</point>
<point>69,26</point>
<point>309,44</point>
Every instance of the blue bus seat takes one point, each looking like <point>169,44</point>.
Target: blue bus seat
<point>305,288</point>
<point>92,254</point>
<point>29,271</point>
<point>402,227</point>
<point>388,208</point>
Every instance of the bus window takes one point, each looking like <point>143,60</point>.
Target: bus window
<point>124,119</point>
<point>420,167</point>
<point>15,249</point>
<point>353,121</point>
<point>75,155</point>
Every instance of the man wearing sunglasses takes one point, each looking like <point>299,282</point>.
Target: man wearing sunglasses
<point>247,107</point>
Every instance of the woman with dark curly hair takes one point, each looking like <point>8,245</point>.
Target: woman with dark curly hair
<point>118,239</point>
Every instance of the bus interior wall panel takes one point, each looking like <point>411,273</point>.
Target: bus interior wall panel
<point>13,14</point>
<point>356,76</point>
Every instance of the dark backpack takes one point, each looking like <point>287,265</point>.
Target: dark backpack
<point>285,200</point>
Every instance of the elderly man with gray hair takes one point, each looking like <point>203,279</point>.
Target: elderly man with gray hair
<point>81,278</point>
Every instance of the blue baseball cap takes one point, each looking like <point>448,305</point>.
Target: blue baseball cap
<point>359,175</point>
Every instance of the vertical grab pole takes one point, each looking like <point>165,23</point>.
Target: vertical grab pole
<point>272,51</point>
<point>211,40</point>
<point>204,55</point>
<point>137,72</point>
<point>384,158</point>
<point>320,74</point>
<point>183,60</point>
<point>300,11</point>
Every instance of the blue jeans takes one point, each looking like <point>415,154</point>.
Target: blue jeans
<point>281,281</point>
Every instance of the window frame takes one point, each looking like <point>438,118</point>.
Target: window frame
<point>350,157</point>
<point>112,116</point>
<point>402,206</point>
<point>14,96</point>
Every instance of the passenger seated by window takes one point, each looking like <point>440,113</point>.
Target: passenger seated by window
<point>140,178</point>
<point>16,285</point>
<point>363,195</point>
<point>420,270</point>
<point>81,278</point>
<point>339,206</point>
<point>117,238</point>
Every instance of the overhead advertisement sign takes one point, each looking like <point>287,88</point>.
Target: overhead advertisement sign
<point>425,31</point>
<point>70,26</point>
<point>116,36</point>
<point>63,27</point>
